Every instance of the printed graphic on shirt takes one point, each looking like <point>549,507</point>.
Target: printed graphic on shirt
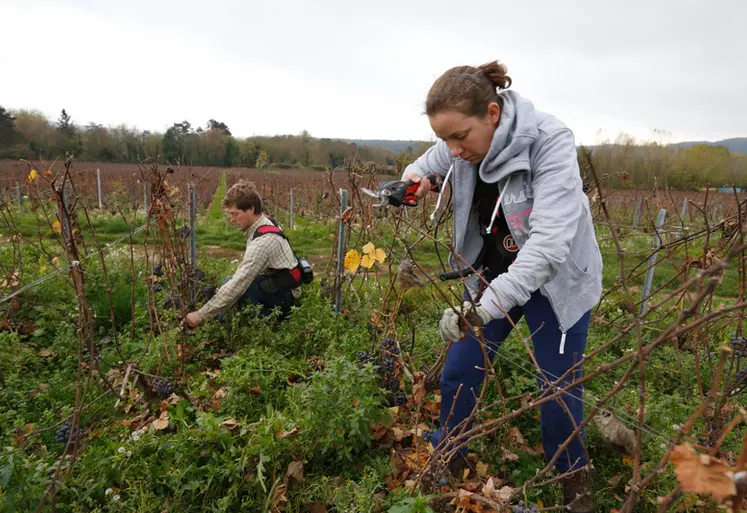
<point>518,221</point>
<point>509,244</point>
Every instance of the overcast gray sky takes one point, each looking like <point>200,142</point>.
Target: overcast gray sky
<point>362,69</point>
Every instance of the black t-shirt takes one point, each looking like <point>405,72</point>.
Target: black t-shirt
<point>500,248</point>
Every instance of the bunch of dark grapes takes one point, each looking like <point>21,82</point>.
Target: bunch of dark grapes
<point>386,366</point>
<point>400,398</point>
<point>63,432</point>
<point>739,386</point>
<point>184,231</point>
<point>157,287</point>
<point>163,388</point>
<point>739,345</point>
<point>393,385</point>
<point>373,328</point>
<point>432,383</point>
<point>158,270</point>
<point>443,478</point>
<point>198,274</point>
<point>171,302</point>
<point>427,435</point>
<point>207,292</point>
<point>388,345</point>
<point>704,441</point>
<point>364,357</point>
<point>521,508</point>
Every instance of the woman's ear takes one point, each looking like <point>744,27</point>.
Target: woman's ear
<point>494,112</point>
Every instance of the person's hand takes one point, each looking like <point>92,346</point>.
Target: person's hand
<point>193,319</point>
<point>423,187</point>
<point>452,324</point>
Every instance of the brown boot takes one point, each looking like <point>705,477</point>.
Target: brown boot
<point>578,496</point>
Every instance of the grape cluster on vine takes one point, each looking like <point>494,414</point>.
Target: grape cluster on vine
<point>739,345</point>
<point>521,508</point>
<point>163,388</point>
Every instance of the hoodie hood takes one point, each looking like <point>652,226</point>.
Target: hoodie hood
<point>512,139</point>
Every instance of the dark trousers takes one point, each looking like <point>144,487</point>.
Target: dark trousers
<point>268,302</point>
<point>465,364</point>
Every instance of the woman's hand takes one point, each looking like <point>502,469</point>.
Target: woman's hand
<point>423,187</point>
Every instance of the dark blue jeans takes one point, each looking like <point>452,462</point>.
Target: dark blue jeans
<point>465,366</point>
<point>254,294</point>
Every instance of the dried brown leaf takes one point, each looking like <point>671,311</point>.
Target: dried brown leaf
<point>615,480</point>
<point>615,432</point>
<point>162,422</point>
<point>295,471</point>
<point>292,432</point>
<point>279,499</point>
<point>699,473</point>
<point>230,424</point>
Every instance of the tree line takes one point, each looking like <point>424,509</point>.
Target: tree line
<point>29,134</point>
<point>628,163</point>
<point>623,163</point>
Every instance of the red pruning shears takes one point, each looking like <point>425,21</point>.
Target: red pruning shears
<point>399,192</point>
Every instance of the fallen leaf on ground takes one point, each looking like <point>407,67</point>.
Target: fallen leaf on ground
<point>509,456</point>
<point>292,432</point>
<point>400,434</point>
<point>463,500</point>
<point>505,493</point>
<point>162,422</point>
<point>615,480</point>
<point>279,499</point>
<point>295,471</point>
<point>516,437</point>
<point>489,490</point>
<point>418,389</point>
<point>230,424</point>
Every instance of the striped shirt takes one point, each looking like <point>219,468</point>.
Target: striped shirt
<point>270,251</point>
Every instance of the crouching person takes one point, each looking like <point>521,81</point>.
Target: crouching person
<point>269,275</point>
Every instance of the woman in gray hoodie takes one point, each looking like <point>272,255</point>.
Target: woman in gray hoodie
<point>522,219</point>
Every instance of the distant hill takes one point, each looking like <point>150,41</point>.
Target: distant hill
<point>395,146</point>
<point>734,145</point>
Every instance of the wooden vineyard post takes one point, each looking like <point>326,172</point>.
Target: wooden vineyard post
<point>683,214</point>
<point>652,261</point>
<point>291,211</point>
<point>98,186</point>
<point>637,213</point>
<point>192,226</point>
<point>341,235</point>
<point>145,198</point>
<point>66,232</point>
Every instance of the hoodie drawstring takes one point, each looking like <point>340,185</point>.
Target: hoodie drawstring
<point>497,206</point>
<point>562,342</point>
<point>441,192</point>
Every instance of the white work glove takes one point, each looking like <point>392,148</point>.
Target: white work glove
<point>451,326</point>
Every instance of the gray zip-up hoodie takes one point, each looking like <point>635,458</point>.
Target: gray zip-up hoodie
<point>533,159</point>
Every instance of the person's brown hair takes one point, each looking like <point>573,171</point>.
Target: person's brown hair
<point>243,195</point>
<point>468,89</point>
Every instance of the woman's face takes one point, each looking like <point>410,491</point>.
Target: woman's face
<point>468,137</point>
